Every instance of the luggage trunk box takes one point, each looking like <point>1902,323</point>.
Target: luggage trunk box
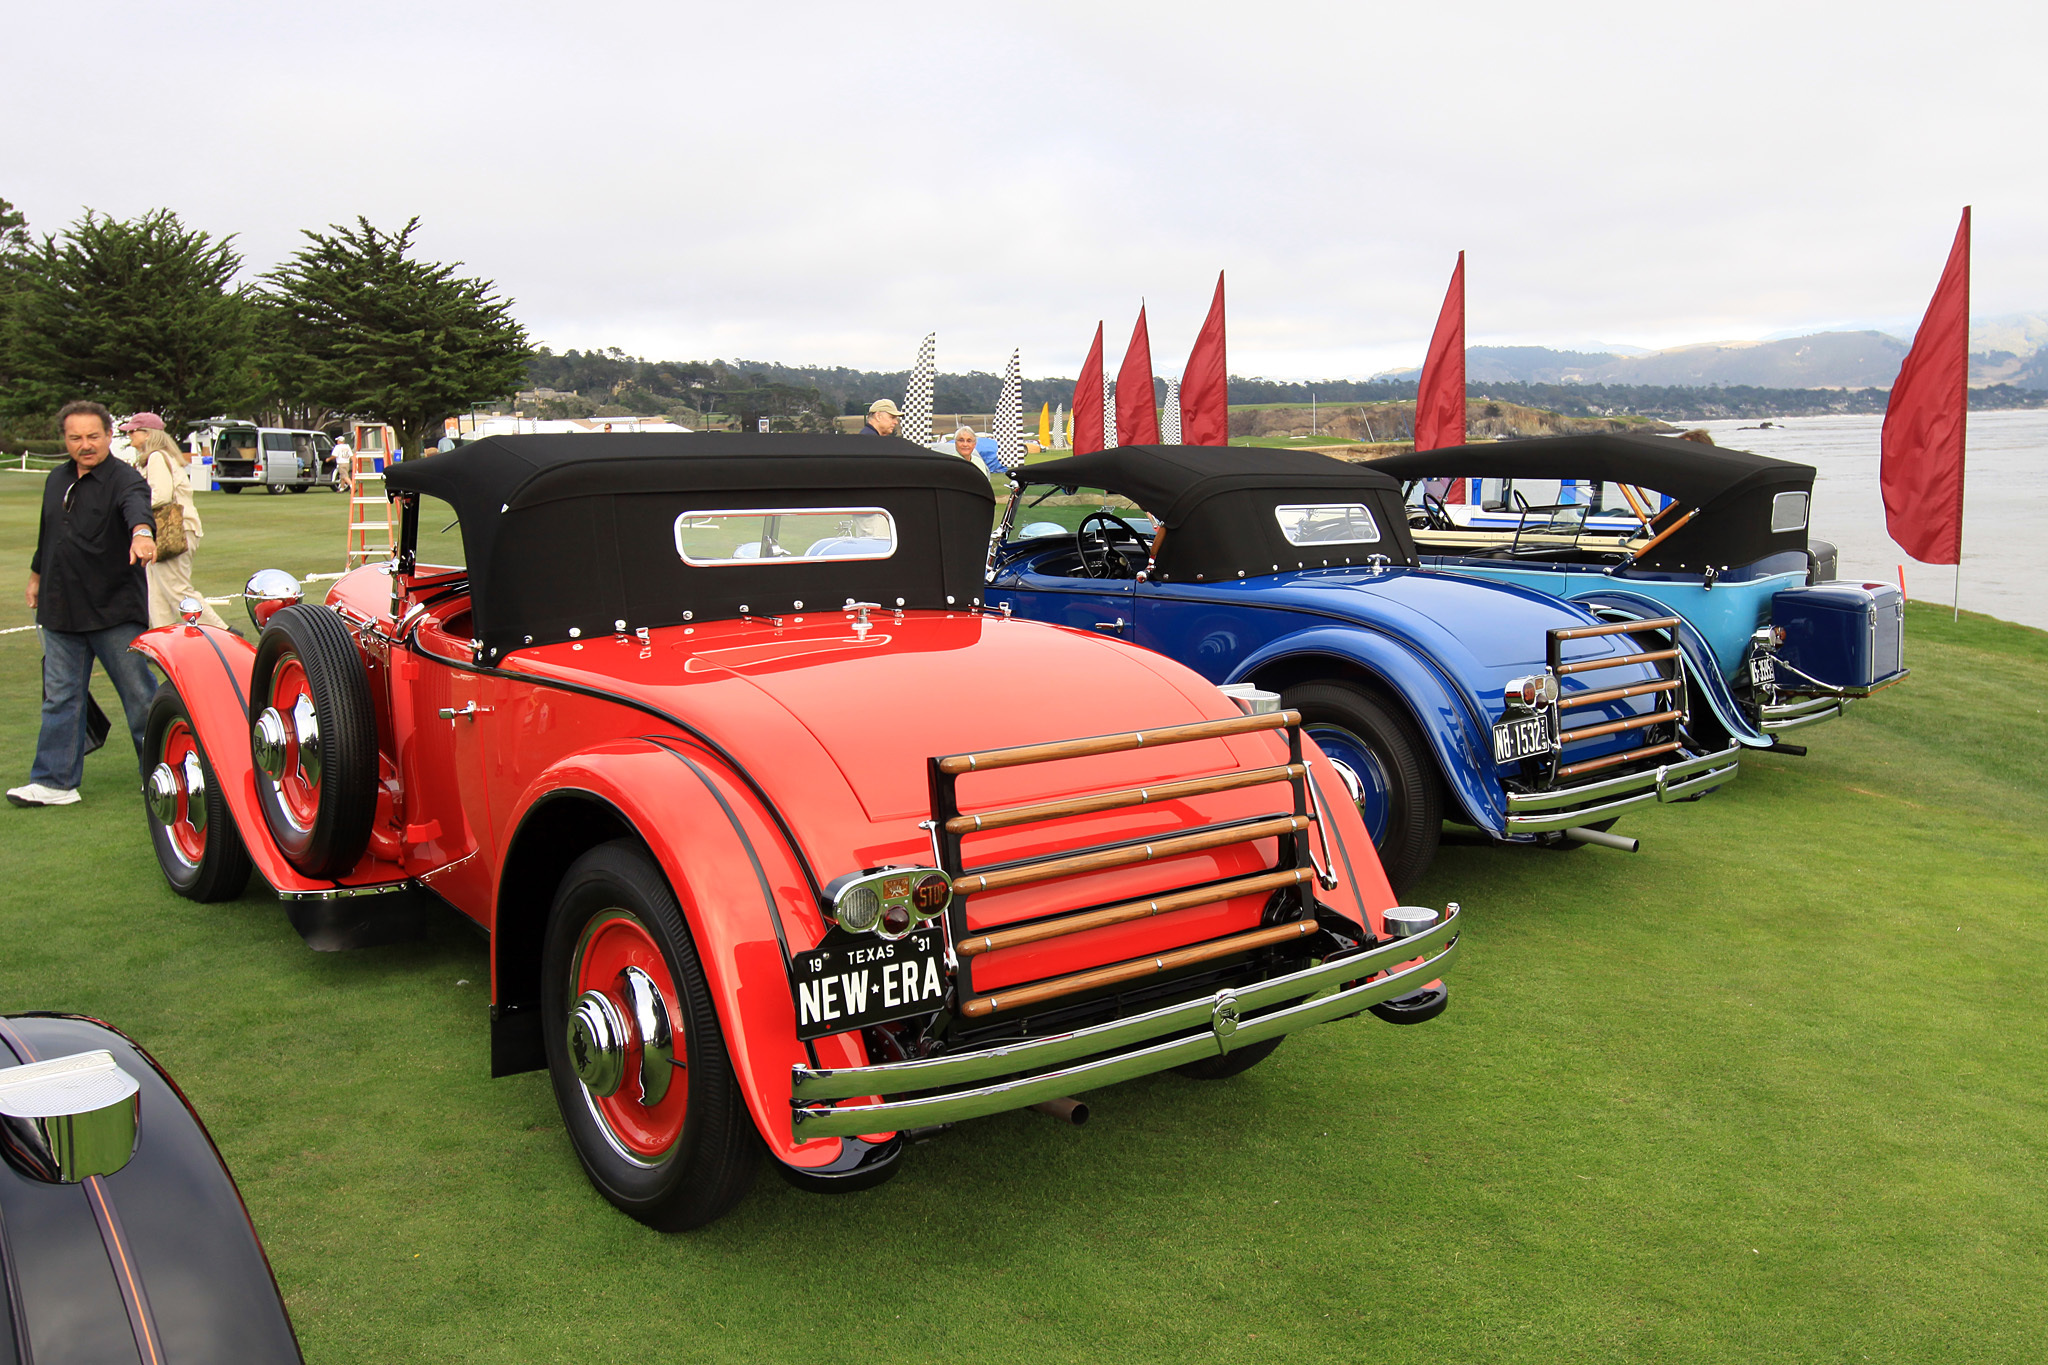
<point>1847,636</point>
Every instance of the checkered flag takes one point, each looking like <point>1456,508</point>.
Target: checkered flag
<point>1060,439</point>
<point>917,399</point>
<point>1108,412</point>
<point>1172,433</point>
<point>1009,424</point>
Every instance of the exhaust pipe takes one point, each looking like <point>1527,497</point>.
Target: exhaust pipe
<point>1581,834</point>
<point>1065,1110</point>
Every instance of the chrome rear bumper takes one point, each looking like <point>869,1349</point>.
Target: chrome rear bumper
<point>1790,715</point>
<point>1564,807</point>
<point>1219,1016</point>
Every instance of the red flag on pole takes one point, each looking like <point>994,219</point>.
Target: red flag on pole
<point>1921,470</point>
<point>1137,420</point>
<point>1440,398</point>
<point>1205,384</point>
<point>1087,418</point>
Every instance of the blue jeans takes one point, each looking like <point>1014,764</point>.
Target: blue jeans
<point>67,666</point>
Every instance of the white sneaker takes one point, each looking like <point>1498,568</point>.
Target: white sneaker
<point>36,794</point>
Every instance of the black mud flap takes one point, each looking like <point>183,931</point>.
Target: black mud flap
<point>350,922</point>
<point>861,1165</point>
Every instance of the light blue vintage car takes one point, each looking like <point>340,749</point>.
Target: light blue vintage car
<point>1635,527</point>
<point>1437,696</point>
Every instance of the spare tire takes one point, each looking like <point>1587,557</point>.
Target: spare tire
<point>313,738</point>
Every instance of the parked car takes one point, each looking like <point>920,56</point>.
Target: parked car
<point>700,729</point>
<point>122,1235</point>
<point>280,459</point>
<point>1645,526</point>
<point>1436,695</point>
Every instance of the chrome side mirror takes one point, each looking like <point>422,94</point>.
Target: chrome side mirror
<point>70,1117</point>
<point>268,592</point>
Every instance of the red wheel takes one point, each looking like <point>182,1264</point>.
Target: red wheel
<point>197,845</point>
<point>635,1051</point>
<point>313,740</point>
<point>619,971</point>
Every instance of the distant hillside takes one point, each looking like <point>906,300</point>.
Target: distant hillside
<point>2012,349</point>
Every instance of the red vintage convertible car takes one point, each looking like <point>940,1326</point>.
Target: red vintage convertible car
<point>779,837</point>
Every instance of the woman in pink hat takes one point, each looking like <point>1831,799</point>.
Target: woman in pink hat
<point>159,460</point>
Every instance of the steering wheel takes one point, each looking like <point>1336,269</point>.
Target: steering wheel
<point>1112,564</point>
<point>1439,516</point>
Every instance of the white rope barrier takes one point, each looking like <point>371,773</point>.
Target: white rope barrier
<point>210,601</point>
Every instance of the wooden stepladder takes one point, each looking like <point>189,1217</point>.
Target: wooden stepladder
<point>369,506</point>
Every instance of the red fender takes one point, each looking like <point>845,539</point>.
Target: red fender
<point>1362,891</point>
<point>211,669</point>
<point>736,878</point>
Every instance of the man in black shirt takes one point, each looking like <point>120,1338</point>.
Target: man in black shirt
<point>90,591</point>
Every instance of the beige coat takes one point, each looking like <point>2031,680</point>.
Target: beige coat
<point>169,479</point>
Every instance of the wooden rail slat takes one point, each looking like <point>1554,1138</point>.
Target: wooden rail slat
<point>1588,665</point>
<point>1103,859</point>
<point>980,1007</point>
<point>1595,764</point>
<point>1618,693</point>
<point>1615,727</point>
<point>1616,628</point>
<point>1131,910</point>
<point>1132,796</point>
<point>1113,744</point>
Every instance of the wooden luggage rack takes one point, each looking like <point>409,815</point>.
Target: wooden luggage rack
<point>1297,866</point>
<point>1671,685</point>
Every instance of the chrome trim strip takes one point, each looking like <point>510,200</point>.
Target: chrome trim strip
<point>342,893</point>
<point>1023,1055</point>
<point>1776,718</point>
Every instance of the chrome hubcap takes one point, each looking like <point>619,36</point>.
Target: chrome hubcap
<point>597,1043</point>
<point>162,795</point>
<point>269,748</point>
<point>195,792</point>
<point>307,723</point>
<point>649,1013</point>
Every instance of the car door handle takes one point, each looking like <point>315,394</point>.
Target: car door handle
<point>469,712</point>
<point>1115,627</point>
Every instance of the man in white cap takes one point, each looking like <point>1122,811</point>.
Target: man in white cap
<point>883,418</point>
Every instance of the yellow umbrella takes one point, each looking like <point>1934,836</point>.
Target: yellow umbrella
<point>1045,427</point>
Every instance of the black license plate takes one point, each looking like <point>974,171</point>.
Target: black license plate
<point>1763,671</point>
<point>1524,737</point>
<point>851,982</point>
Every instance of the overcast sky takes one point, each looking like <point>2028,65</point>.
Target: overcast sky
<point>825,183</point>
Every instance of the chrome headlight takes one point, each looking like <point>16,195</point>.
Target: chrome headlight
<point>891,902</point>
<point>1538,689</point>
<point>268,592</point>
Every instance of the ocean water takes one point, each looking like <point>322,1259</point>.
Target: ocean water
<point>2005,506</point>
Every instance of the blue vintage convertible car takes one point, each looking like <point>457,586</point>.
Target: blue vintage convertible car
<point>1647,526</point>
<point>1436,695</point>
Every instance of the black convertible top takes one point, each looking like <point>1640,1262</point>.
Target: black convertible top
<point>565,535</point>
<point>1733,490</point>
<point>1217,504</point>
<point>1694,474</point>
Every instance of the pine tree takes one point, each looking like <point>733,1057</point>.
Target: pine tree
<point>361,327</point>
<point>137,314</point>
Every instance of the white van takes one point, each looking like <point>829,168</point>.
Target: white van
<point>277,458</point>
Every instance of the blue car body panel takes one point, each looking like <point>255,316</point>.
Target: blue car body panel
<point>1445,645</point>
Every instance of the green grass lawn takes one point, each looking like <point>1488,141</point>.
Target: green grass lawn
<point>1770,1090</point>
